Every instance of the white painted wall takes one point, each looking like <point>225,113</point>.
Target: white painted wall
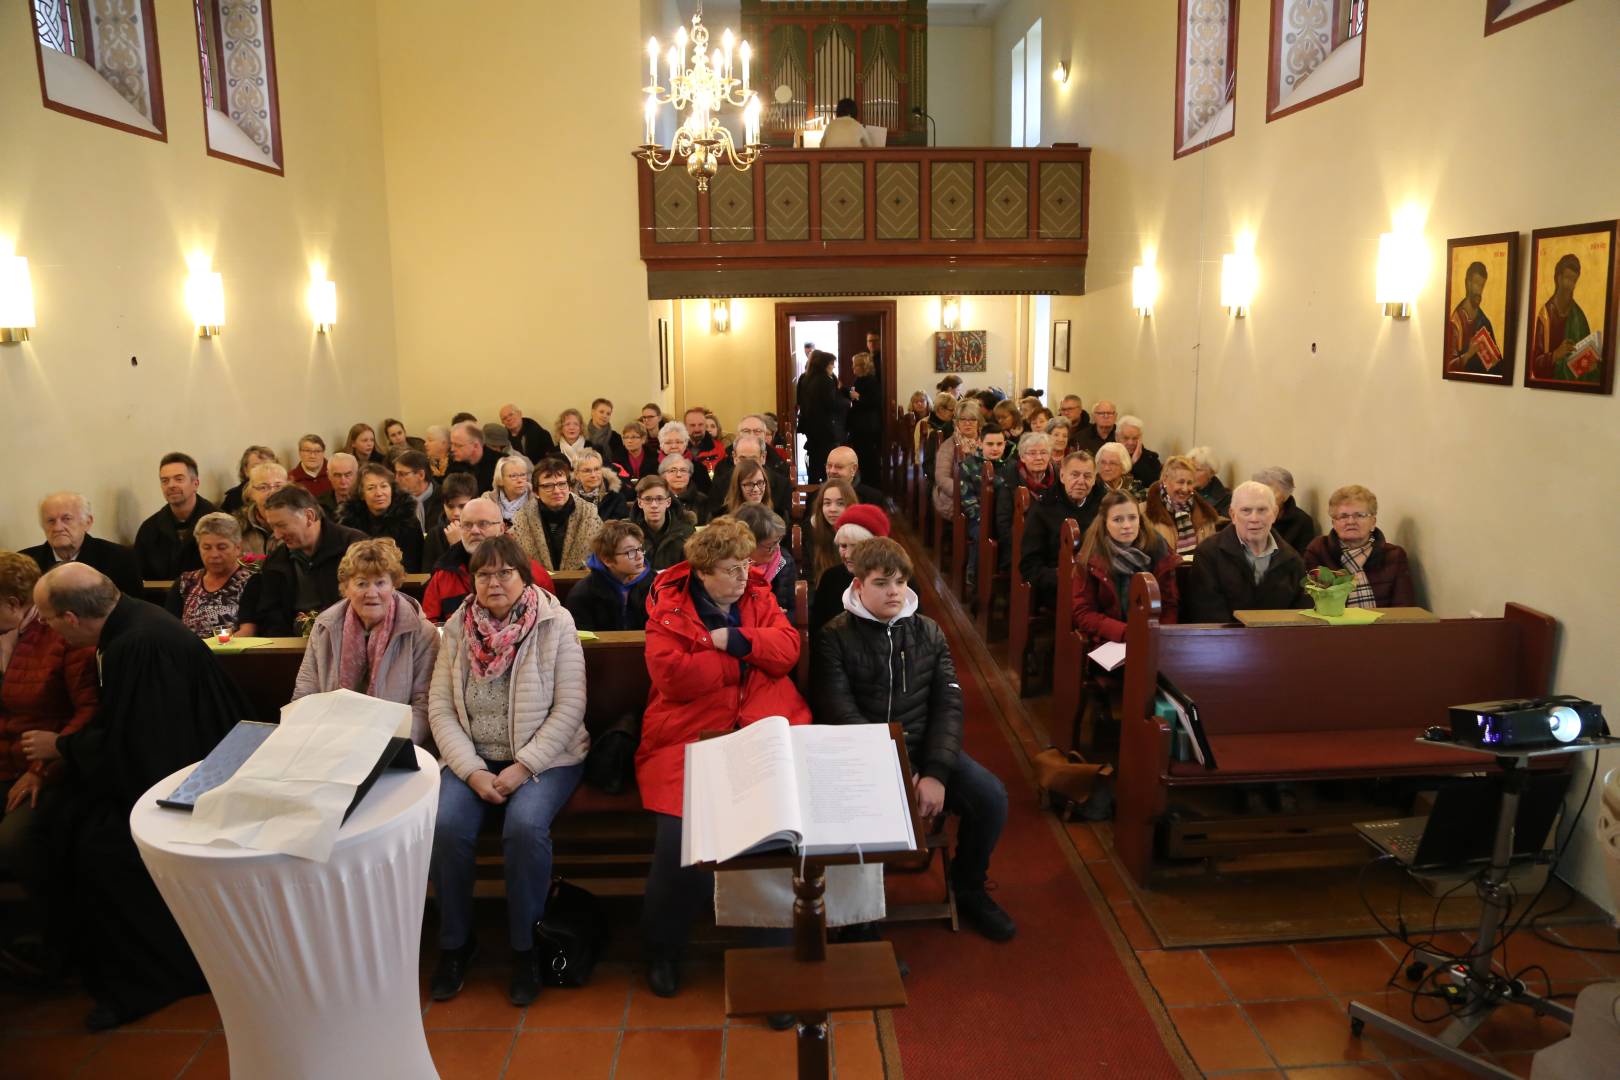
<point>1499,493</point>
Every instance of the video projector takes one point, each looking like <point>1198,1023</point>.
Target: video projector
<point>1526,722</point>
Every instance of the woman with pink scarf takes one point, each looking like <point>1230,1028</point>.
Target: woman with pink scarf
<point>374,641</point>
<point>507,709</point>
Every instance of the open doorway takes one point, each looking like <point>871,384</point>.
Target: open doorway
<point>840,328</point>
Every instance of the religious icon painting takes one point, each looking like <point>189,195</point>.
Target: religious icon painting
<point>1482,294</point>
<point>1569,339</point>
<point>959,350</point>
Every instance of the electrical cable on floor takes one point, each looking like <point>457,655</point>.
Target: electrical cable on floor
<point>1497,986</point>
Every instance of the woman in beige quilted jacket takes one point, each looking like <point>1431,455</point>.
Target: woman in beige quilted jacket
<point>507,709</point>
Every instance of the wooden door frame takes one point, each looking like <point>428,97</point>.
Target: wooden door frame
<point>808,309</point>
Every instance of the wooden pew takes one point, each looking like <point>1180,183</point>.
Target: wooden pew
<point>1021,614</point>
<point>1305,704</point>
<point>924,520</point>
<point>959,541</point>
<point>991,579</point>
<point>1069,646</point>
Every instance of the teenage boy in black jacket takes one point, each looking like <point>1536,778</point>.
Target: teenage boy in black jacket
<point>881,662</point>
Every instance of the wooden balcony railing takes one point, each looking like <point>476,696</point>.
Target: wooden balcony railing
<point>891,221</point>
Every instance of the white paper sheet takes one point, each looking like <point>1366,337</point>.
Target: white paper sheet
<point>290,796</point>
<point>1109,655</point>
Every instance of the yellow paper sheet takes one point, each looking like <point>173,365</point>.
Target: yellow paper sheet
<point>237,644</point>
<point>1353,616</point>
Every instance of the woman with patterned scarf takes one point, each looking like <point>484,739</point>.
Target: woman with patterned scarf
<point>375,641</point>
<point>507,709</point>
<point>1174,507</point>
<point>1116,548</point>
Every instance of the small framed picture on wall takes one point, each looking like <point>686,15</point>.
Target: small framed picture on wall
<point>1060,345</point>
<point>1482,294</point>
<point>1569,343</point>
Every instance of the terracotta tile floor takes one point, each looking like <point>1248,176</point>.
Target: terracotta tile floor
<point>1279,1011</point>
<point>613,1028</point>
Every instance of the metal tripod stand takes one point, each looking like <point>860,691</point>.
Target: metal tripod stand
<point>1479,992</point>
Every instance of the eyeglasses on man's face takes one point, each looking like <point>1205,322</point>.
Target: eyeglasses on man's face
<point>634,554</point>
<point>653,500</point>
<point>552,485</point>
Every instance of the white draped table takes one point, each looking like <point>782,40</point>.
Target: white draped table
<point>314,966</point>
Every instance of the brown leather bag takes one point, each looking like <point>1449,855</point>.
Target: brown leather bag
<point>1068,781</point>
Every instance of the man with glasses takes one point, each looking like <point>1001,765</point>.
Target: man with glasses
<point>1356,544</point>
<point>652,419</point>
<point>450,583</point>
<point>613,594</point>
<point>1104,417</point>
<point>663,522</point>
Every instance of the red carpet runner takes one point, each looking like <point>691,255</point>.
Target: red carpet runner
<point>1053,1002</point>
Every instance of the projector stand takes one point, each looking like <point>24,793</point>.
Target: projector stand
<point>1472,980</point>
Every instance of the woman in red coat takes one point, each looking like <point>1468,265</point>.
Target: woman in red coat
<point>1118,545</point>
<point>721,655</point>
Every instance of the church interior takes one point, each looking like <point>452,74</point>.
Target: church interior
<point>1262,244</point>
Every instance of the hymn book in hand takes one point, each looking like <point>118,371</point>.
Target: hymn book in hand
<point>817,789</point>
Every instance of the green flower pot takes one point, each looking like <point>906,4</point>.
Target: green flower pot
<point>1329,600</point>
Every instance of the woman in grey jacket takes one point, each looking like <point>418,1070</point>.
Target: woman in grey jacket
<point>507,709</point>
<point>375,641</point>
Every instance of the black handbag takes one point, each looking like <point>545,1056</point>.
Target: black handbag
<point>570,935</point>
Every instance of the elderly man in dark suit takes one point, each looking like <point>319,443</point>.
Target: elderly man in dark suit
<point>66,519</point>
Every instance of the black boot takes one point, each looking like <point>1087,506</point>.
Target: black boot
<point>663,975</point>
<point>985,915</point>
<point>451,974</point>
<point>525,977</point>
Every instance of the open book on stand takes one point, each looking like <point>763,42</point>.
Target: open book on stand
<point>815,789</point>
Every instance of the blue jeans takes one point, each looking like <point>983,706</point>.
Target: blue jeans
<point>525,842</point>
<point>979,799</point>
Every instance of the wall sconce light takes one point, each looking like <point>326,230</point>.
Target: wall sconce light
<point>950,312</point>
<point>1144,289</point>
<point>16,300</point>
<point>1060,74</point>
<point>1400,272</point>
<point>205,299</point>
<point>720,316</point>
<point>322,300</point>
<point>1239,272</point>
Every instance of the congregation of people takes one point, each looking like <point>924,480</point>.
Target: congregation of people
<point>697,537</point>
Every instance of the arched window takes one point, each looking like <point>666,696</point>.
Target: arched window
<point>237,56</point>
<point>100,62</point>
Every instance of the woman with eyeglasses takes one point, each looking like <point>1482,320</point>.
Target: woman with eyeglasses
<point>676,472</point>
<point>375,641</point>
<point>721,655</point>
<point>664,522</point>
<point>598,484</point>
<point>749,484</point>
<point>1383,578</point>
<point>507,708</point>
<point>774,561</point>
<point>613,594</point>
<point>556,530</point>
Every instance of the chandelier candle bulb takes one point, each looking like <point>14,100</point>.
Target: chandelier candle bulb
<point>652,62</point>
<point>652,115</point>
<point>745,53</point>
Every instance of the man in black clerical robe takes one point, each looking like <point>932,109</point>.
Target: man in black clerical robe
<point>165,703</point>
